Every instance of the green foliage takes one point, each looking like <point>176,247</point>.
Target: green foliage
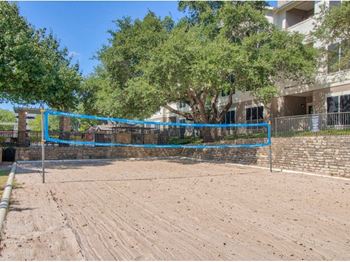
<point>7,116</point>
<point>35,124</point>
<point>333,26</point>
<point>334,23</point>
<point>219,47</point>
<point>33,66</point>
<point>274,57</point>
<point>325,132</point>
<point>131,44</point>
<point>107,91</point>
<point>186,140</point>
<point>245,136</point>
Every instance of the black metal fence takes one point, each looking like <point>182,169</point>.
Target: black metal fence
<point>136,135</point>
<point>303,125</point>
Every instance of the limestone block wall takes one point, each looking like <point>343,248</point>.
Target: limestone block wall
<point>321,154</point>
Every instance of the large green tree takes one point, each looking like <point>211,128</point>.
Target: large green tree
<point>219,47</point>
<point>131,44</point>
<point>33,66</point>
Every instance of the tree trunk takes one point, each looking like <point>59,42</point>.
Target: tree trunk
<point>209,134</point>
<point>206,134</point>
<point>64,129</point>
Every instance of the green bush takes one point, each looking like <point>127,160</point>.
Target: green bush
<point>185,140</point>
<point>245,136</point>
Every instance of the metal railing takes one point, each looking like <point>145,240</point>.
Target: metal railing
<point>301,125</point>
<point>313,124</point>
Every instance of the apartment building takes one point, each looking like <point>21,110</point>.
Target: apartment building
<point>329,93</point>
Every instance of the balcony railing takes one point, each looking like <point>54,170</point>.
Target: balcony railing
<point>313,124</point>
<point>304,27</point>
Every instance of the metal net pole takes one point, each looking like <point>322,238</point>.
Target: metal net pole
<point>270,144</point>
<point>42,146</point>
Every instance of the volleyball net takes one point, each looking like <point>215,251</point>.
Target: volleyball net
<point>88,130</point>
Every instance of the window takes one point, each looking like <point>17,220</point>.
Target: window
<point>182,104</point>
<point>336,106</point>
<point>254,114</point>
<point>230,117</point>
<point>310,109</point>
<point>345,103</point>
<point>336,54</point>
<point>334,3</point>
<point>333,104</point>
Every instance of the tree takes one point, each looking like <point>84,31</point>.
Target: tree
<point>220,47</point>
<point>33,66</point>
<point>131,44</point>
<point>7,117</point>
<point>35,124</point>
<point>333,26</point>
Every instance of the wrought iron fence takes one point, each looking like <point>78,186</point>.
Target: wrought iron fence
<point>302,125</point>
<point>313,124</point>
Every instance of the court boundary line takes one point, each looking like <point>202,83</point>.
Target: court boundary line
<point>280,170</point>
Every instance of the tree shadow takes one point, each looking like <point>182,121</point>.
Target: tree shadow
<point>139,179</point>
<point>15,206</point>
<point>29,167</point>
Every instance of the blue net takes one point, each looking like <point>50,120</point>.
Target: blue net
<point>89,130</point>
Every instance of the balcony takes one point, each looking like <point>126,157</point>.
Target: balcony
<point>299,18</point>
<point>303,27</point>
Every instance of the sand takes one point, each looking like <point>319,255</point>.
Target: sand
<point>175,210</point>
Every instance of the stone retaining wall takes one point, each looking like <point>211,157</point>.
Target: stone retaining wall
<point>53,153</point>
<point>323,154</point>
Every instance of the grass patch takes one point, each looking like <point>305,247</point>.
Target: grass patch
<point>245,136</point>
<point>261,135</point>
<point>185,140</point>
<point>326,132</point>
<point>3,179</point>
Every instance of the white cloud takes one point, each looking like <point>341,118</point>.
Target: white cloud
<point>73,54</point>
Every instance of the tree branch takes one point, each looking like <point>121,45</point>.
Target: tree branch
<point>214,107</point>
<point>227,107</point>
<point>200,105</point>
<point>186,115</point>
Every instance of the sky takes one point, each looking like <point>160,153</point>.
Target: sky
<point>83,27</point>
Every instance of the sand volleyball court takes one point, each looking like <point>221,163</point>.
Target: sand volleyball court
<point>174,209</point>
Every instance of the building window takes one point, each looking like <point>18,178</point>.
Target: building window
<point>226,92</point>
<point>254,114</point>
<point>338,109</point>
<point>182,104</point>
<point>345,103</point>
<point>334,3</point>
<point>336,54</point>
<point>230,117</point>
<point>333,104</point>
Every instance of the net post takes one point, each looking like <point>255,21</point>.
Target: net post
<point>42,110</point>
<point>269,142</point>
